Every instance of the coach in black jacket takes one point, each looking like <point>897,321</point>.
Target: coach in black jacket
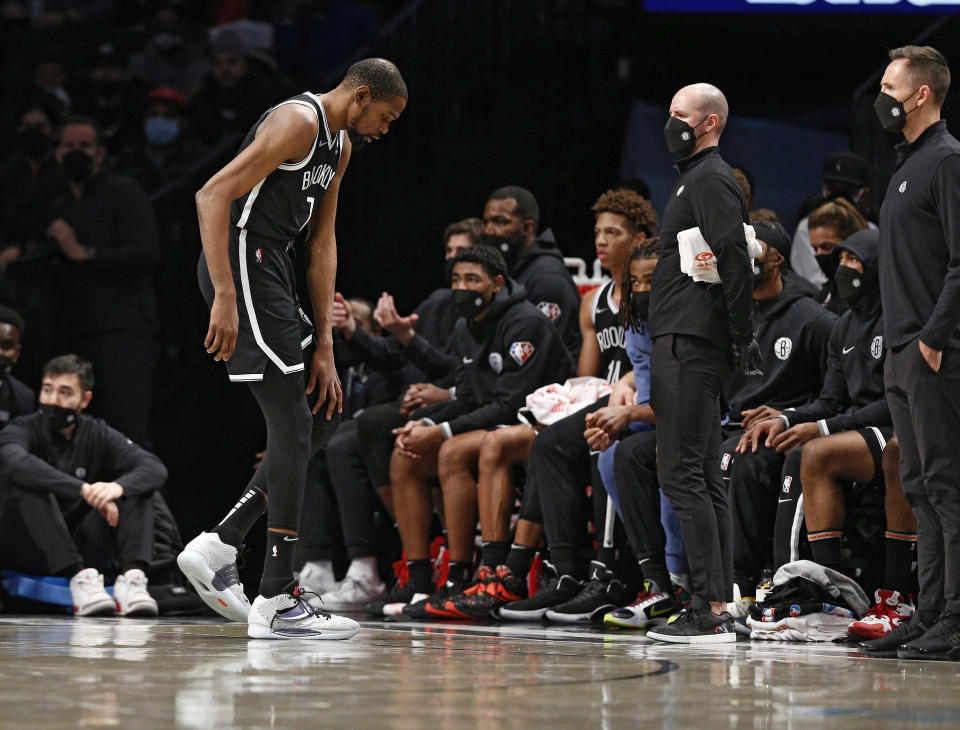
<point>68,479</point>
<point>507,349</point>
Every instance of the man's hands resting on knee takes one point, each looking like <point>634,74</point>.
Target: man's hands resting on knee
<point>103,496</point>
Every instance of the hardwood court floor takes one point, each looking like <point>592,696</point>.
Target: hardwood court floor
<point>202,673</point>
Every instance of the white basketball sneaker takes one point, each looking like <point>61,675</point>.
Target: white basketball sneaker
<point>90,598</point>
<point>211,567</point>
<point>130,593</point>
<point>289,616</point>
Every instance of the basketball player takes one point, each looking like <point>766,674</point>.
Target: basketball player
<point>286,176</point>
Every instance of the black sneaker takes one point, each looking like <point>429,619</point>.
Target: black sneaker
<point>392,604</point>
<point>886,646</point>
<point>940,642</point>
<point>432,607</point>
<point>600,595</point>
<point>696,626</point>
<point>552,592</point>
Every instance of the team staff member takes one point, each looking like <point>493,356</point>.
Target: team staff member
<point>920,290</point>
<point>699,331</point>
<point>285,178</point>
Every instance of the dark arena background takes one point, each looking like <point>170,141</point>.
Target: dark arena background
<point>564,97</point>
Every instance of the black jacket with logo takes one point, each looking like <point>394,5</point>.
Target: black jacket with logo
<point>793,331</point>
<point>540,270</point>
<point>853,394</point>
<point>920,242</point>
<point>707,196</point>
<point>510,353</point>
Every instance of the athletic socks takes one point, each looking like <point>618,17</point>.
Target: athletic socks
<point>826,547</point>
<point>519,560</point>
<point>655,569</point>
<point>421,575</point>
<point>278,564</point>
<point>460,573</point>
<point>901,572</point>
<point>567,562</point>
<point>495,553</point>
<point>248,509</point>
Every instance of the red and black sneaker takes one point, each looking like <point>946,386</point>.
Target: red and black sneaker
<point>432,606</point>
<point>498,589</point>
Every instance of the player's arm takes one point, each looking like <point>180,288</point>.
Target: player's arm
<point>286,134</point>
<point>321,278</point>
<point>589,362</point>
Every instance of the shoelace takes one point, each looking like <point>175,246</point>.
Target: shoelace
<point>643,596</point>
<point>298,594</point>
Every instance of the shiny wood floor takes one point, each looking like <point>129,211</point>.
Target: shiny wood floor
<point>65,672</point>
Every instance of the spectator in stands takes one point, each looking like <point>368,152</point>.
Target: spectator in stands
<point>793,332</point>
<point>506,349</point>
<point>171,56</point>
<point>78,497</point>
<point>114,99</point>
<point>232,96</point>
<point>511,220</point>
<point>829,226</point>
<point>16,399</point>
<point>104,228</point>
<point>844,175</point>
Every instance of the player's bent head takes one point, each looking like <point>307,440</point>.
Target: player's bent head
<point>924,66</point>
<point>378,95</point>
<point>380,76</point>
<point>484,262</point>
<point>67,381</point>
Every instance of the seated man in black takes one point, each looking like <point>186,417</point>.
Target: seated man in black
<point>77,497</point>
<point>16,399</point>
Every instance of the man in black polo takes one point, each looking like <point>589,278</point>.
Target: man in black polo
<point>920,290</point>
<point>699,331</point>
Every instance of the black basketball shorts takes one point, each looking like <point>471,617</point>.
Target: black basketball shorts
<point>273,326</point>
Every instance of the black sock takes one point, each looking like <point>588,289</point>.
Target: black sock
<point>655,569</point>
<point>826,546</point>
<point>69,571</point>
<point>566,562</point>
<point>901,574</point>
<point>278,564</point>
<point>607,557</point>
<point>519,560</point>
<point>495,553</point>
<point>248,509</point>
<point>459,573</point>
<point>133,565</point>
<point>421,575</point>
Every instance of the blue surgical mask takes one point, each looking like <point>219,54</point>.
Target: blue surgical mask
<point>161,131</point>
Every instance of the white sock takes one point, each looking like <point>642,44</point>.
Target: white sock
<point>365,568</point>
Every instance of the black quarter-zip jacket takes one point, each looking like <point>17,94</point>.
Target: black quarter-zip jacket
<point>920,242</point>
<point>510,353</point>
<point>707,197</point>
<point>853,394</point>
<point>793,332</point>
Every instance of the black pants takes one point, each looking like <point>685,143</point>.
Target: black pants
<point>564,468</point>
<point>753,481</point>
<point>926,415</point>
<point>42,536</point>
<point>635,468</point>
<point>687,374</point>
<point>356,496</point>
<point>375,438</point>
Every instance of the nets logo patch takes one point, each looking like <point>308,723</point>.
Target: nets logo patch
<point>786,485</point>
<point>782,348</point>
<point>496,362</point>
<point>521,352</point>
<point>550,310</point>
<point>80,473</point>
<point>876,347</point>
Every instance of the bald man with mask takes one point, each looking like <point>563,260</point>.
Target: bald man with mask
<point>701,332</point>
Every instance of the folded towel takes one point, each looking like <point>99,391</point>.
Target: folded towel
<point>697,259</point>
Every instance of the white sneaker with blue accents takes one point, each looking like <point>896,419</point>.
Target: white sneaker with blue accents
<point>289,616</point>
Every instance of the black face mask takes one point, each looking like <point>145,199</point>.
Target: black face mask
<point>34,143</point>
<point>509,247</point>
<point>78,166</point>
<point>851,284</point>
<point>6,365</point>
<point>681,137</point>
<point>827,263</point>
<point>468,303</point>
<point>640,306</point>
<point>58,417</point>
<point>891,113</point>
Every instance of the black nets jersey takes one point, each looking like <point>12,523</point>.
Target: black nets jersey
<point>614,362</point>
<point>279,206</point>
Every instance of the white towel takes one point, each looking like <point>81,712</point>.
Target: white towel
<point>551,403</point>
<point>696,257</point>
<point>809,627</point>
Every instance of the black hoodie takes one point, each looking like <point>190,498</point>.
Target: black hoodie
<point>510,353</point>
<point>852,395</point>
<point>540,270</point>
<point>793,331</point>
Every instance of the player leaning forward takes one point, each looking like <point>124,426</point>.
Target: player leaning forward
<point>286,176</point>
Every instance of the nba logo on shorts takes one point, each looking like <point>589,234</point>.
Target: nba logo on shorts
<point>786,485</point>
<point>725,462</point>
<point>259,254</point>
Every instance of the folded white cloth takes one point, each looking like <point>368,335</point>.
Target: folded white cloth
<point>697,259</point>
<point>551,403</point>
<point>809,627</point>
